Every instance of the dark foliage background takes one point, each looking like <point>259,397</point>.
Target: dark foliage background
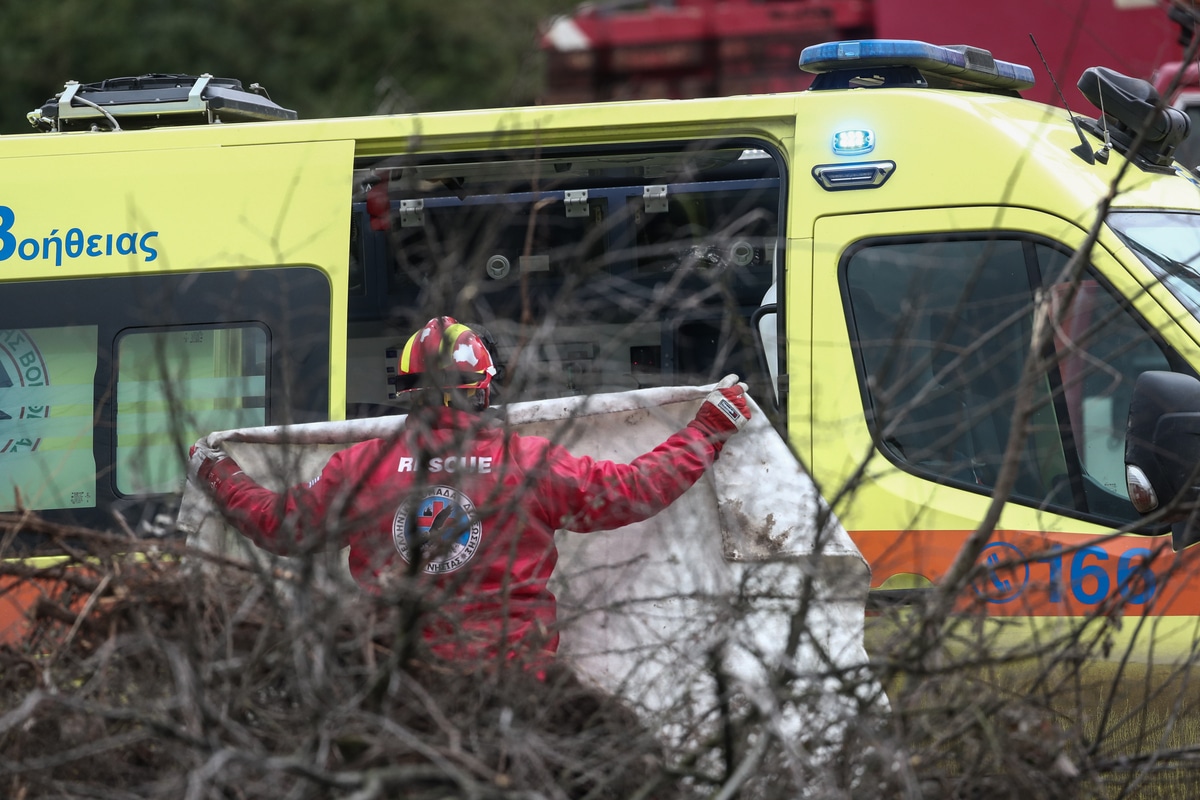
<point>319,57</point>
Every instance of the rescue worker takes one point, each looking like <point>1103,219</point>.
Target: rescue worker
<point>463,504</point>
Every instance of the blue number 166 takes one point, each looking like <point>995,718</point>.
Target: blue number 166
<point>1132,574</point>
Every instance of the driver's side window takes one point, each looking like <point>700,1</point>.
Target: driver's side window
<point>1101,349</point>
<point>942,333</point>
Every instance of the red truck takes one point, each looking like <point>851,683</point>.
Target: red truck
<point>1179,83</point>
<point>633,49</point>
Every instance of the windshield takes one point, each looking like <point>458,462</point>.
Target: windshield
<point>1169,244</point>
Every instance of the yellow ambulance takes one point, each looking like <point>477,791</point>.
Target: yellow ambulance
<point>876,256</point>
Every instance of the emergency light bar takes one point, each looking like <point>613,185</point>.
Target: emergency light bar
<point>891,62</point>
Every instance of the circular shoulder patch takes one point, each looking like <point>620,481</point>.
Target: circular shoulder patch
<point>441,528</point>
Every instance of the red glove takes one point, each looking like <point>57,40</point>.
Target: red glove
<point>725,411</point>
<point>210,467</point>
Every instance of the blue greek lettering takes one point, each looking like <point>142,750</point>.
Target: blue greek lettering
<point>53,239</point>
<point>74,242</point>
<point>150,252</point>
<point>8,242</point>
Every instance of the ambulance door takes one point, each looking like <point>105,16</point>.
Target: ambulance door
<point>922,330</point>
<point>105,382</point>
<point>169,293</point>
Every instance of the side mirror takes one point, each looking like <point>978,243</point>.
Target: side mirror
<point>1162,448</point>
<point>1132,105</point>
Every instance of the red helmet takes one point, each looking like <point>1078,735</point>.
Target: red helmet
<point>445,354</point>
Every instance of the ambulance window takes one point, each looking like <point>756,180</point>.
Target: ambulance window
<point>942,333</point>
<point>1102,348</point>
<point>47,377</point>
<point>176,385</point>
<point>593,271</point>
<point>92,368</point>
<point>1168,243</point>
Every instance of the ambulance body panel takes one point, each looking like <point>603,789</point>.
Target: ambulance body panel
<point>159,284</point>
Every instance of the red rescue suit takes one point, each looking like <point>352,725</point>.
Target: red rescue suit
<point>476,506</point>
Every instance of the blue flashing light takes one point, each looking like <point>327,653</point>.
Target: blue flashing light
<point>853,142</point>
<point>961,64</point>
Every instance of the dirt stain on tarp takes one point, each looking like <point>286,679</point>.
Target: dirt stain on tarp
<point>753,537</point>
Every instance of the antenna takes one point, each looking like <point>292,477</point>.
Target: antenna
<point>1083,149</point>
<point>1102,155</point>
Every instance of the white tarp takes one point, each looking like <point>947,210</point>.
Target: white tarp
<point>724,573</point>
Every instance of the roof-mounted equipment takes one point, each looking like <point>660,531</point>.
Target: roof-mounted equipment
<point>150,101</point>
<point>1129,106</point>
<point>875,63</point>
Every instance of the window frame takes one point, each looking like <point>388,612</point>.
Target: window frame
<point>1035,277</point>
<point>294,303</point>
<point>375,301</point>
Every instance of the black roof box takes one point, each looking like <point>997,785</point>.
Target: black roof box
<point>150,101</point>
